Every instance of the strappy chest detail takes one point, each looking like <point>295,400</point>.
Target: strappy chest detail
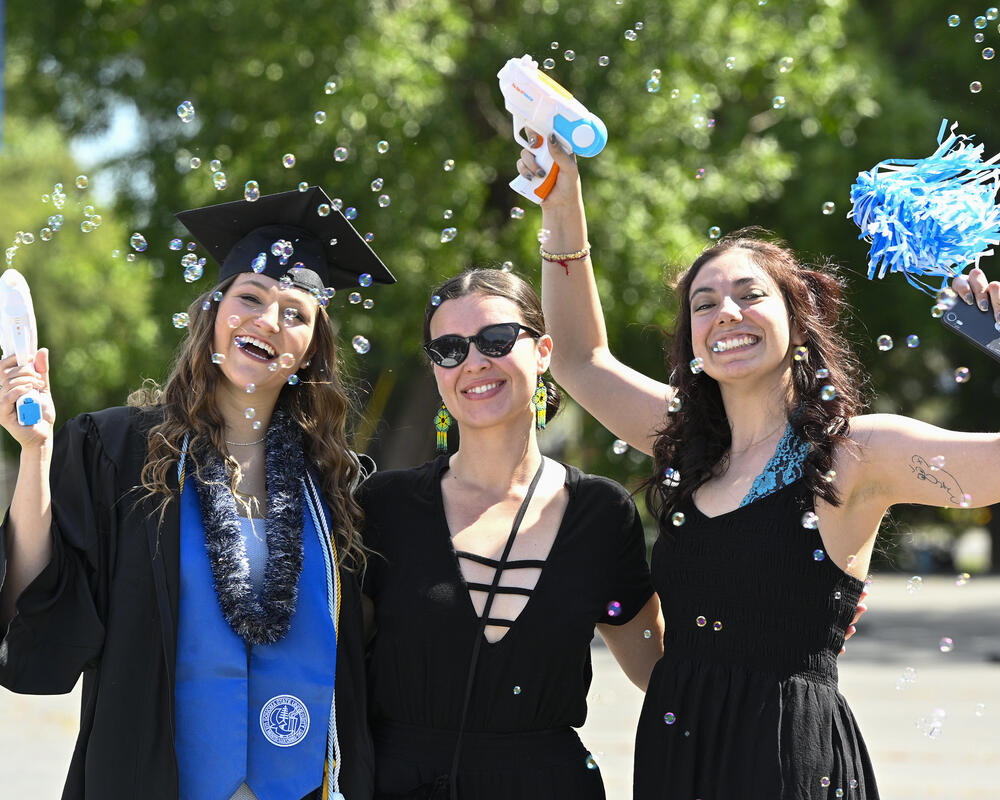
<point>501,588</point>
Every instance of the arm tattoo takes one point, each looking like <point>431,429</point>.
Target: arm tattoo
<point>937,477</point>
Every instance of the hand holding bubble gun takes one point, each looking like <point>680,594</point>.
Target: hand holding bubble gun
<point>538,103</point>
<point>19,336</point>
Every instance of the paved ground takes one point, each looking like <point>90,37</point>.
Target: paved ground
<point>901,630</point>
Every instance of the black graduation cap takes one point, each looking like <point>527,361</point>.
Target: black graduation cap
<point>329,250</point>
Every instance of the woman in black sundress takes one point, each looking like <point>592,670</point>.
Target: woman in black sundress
<point>481,661</point>
<point>769,486</point>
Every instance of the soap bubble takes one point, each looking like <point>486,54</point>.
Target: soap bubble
<point>384,200</point>
<point>181,319</point>
<point>962,578</point>
<point>818,555</point>
<point>543,235</point>
<point>323,209</point>
<point>670,718</point>
<point>937,462</point>
<point>800,353</point>
<point>810,521</point>
<point>992,13</point>
<point>448,213</point>
<point>830,475</point>
<point>677,519</point>
<point>674,405</point>
<point>286,361</point>
<point>979,23</point>
<point>639,25</point>
<point>946,645</point>
<point>988,53</point>
<point>218,358</point>
<point>195,162</point>
<point>193,273</point>
<point>138,242</point>
<point>215,165</point>
<point>288,160</point>
<point>259,263</point>
<point>614,608</point>
<point>979,38</point>
<point>731,62</point>
<point>354,298</point>
<point>829,207</point>
<point>603,61</point>
<point>912,341</point>
<point>699,174</point>
<point>448,165</point>
<point>590,761</point>
<point>569,55</point>
<point>946,298</point>
<point>517,213</point>
<point>219,180</point>
<point>340,154</point>
<point>250,413</point>
<point>382,146</point>
<point>697,365</point>
<point>827,393</point>
<point>368,304</point>
<point>962,375</point>
<point>351,212</point>
<point>175,244</point>
<point>87,226</point>
<point>330,87</point>
<point>319,117</point>
<point>778,101</point>
<point>653,85</point>
<point>82,181</point>
<point>251,191</point>
<point>630,35</point>
<point>914,584</point>
<point>619,447</point>
<point>233,321</point>
<point>549,63</point>
<point>975,87</point>
<point>884,342</point>
<point>787,64</point>
<point>361,344</point>
<point>436,300</point>
<point>303,186</point>
<point>186,111</point>
<point>364,280</point>
<point>377,184</point>
<point>671,477</point>
<point>448,234</point>
<point>954,20</point>
<point>714,232</point>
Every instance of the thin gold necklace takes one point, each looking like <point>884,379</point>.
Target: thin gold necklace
<point>245,444</point>
<point>759,441</point>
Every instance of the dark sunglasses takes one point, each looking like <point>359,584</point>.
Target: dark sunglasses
<point>492,341</point>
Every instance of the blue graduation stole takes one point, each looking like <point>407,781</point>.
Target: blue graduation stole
<point>261,713</point>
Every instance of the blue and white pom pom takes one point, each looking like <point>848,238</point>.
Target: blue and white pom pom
<point>929,217</point>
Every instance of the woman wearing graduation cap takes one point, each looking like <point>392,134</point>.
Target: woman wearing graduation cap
<point>194,554</point>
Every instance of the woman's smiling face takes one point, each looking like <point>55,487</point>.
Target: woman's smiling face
<point>740,325</point>
<point>263,332</point>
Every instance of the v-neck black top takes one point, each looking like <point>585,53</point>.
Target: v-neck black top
<point>537,676</point>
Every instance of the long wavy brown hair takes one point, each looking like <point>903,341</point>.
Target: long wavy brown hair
<point>695,440</point>
<point>319,405</point>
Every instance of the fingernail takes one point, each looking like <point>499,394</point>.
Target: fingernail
<point>998,317</point>
<point>969,299</point>
<point>540,173</point>
<point>984,305</point>
<point>553,139</point>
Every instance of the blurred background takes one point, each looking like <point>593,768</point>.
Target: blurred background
<point>720,114</point>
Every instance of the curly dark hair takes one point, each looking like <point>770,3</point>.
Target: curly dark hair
<point>696,438</point>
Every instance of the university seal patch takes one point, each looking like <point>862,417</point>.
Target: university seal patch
<point>284,720</point>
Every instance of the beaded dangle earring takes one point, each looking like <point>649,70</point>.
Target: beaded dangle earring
<point>442,424</point>
<point>538,400</point>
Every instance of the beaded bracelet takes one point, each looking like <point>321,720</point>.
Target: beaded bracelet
<point>563,258</point>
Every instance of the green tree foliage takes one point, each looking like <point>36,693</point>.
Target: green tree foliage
<point>861,81</point>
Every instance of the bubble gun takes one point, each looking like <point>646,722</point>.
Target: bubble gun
<point>19,335</point>
<point>539,103</point>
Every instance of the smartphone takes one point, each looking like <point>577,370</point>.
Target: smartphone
<point>979,327</point>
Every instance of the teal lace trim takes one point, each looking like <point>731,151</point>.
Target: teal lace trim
<point>784,468</point>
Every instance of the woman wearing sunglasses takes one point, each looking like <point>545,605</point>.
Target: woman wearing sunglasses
<point>495,563</point>
<point>769,486</point>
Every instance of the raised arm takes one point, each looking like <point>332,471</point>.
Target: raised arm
<point>29,539</point>
<point>908,461</point>
<point>628,403</point>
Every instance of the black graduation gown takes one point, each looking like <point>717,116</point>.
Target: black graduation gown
<point>106,606</point>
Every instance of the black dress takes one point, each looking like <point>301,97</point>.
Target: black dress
<point>744,703</point>
<point>530,687</point>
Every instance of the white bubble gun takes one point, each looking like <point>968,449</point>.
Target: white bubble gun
<point>539,103</point>
<point>18,335</point>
